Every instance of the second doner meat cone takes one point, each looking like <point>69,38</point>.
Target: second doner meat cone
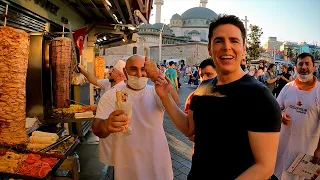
<point>14,54</point>
<point>61,70</point>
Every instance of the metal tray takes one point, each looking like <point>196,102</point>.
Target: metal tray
<point>5,176</point>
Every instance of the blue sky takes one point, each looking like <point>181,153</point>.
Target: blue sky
<point>288,20</point>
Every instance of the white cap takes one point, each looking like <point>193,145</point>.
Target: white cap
<point>120,64</point>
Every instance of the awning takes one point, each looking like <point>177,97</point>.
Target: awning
<point>116,19</point>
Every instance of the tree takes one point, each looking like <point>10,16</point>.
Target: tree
<point>289,53</point>
<point>295,54</point>
<point>254,42</point>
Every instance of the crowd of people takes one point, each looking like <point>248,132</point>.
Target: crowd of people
<point>283,120</point>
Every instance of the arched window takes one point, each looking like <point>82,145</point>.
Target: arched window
<point>189,22</point>
<point>186,33</point>
<point>134,50</point>
<point>203,35</point>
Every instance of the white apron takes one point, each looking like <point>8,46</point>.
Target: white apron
<point>302,135</point>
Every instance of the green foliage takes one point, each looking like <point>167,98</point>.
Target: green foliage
<point>254,42</point>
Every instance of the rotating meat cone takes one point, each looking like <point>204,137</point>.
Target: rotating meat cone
<point>99,66</point>
<point>14,54</point>
<point>61,69</point>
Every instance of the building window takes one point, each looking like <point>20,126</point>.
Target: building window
<point>134,50</point>
<point>203,35</point>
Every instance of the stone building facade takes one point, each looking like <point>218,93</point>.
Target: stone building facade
<point>192,53</point>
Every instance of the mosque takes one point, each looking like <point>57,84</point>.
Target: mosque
<point>186,37</point>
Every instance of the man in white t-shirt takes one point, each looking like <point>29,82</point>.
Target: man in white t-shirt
<point>144,154</point>
<point>300,130</point>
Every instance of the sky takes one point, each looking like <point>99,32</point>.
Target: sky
<point>288,20</point>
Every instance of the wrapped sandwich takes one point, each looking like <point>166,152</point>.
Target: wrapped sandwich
<point>122,103</point>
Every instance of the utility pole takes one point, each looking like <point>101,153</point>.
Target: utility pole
<point>245,23</point>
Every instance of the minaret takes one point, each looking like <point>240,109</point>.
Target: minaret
<point>203,3</point>
<point>158,4</point>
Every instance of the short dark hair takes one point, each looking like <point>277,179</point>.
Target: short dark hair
<point>227,19</point>
<point>207,62</point>
<point>271,65</point>
<point>171,63</point>
<point>303,55</point>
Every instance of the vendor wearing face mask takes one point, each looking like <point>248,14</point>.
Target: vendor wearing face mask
<point>300,131</point>
<point>145,153</point>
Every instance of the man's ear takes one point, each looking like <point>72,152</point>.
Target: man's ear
<point>244,50</point>
<point>209,49</point>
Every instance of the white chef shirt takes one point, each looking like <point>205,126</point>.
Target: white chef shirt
<point>143,155</point>
<point>104,84</point>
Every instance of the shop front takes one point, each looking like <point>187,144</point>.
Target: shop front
<point>43,114</point>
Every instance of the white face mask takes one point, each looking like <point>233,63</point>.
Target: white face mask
<point>305,78</point>
<point>137,83</point>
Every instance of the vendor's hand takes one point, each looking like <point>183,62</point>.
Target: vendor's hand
<point>116,122</point>
<point>286,119</point>
<point>282,77</point>
<point>163,86</point>
<point>81,68</point>
<point>93,107</point>
<point>151,69</point>
<point>316,157</point>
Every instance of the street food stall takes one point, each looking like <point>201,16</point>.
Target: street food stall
<point>37,59</point>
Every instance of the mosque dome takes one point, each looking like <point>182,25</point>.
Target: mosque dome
<point>199,13</point>
<point>176,17</point>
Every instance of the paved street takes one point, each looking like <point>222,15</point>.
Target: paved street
<point>180,148</point>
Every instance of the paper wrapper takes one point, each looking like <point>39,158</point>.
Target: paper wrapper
<point>127,108</point>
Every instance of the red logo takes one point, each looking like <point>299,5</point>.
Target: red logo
<point>299,103</point>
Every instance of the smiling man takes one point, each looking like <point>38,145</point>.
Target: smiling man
<point>243,145</point>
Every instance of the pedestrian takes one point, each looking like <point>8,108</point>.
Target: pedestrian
<point>143,155</point>
<point>285,77</point>
<point>171,73</point>
<point>270,77</point>
<point>242,139</point>
<point>207,71</point>
<point>300,129</point>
